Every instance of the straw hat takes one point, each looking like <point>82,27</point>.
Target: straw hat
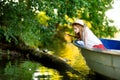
<point>79,22</point>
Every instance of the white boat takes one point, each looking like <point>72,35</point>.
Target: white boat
<point>104,62</point>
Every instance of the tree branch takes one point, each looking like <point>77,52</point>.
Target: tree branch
<point>44,58</point>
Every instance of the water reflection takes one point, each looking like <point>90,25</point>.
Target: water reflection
<point>43,73</point>
<point>17,71</point>
<point>27,70</point>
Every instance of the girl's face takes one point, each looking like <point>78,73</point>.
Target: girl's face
<point>77,28</point>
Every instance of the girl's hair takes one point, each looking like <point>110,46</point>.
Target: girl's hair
<point>78,35</point>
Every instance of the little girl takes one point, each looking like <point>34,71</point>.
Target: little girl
<point>86,36</point>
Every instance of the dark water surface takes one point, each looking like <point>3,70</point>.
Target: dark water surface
<point>19,69</point>
<point>27,70</point>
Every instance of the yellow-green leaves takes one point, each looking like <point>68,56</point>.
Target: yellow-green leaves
<point>43,18</point>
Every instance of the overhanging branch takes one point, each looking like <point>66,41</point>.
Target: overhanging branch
<point>44,58</point>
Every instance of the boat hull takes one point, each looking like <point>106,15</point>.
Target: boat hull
<point>104,62</point>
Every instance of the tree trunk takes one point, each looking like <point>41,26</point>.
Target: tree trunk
<point>33,54</point>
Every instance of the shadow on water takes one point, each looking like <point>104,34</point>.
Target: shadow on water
<point>19,69</point>
<point>26,70</point>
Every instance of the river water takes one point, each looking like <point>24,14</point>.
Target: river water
<point>19,68</point>
<point>27,70</point>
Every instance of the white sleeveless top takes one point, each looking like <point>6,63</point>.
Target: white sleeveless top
<point>89,38</point>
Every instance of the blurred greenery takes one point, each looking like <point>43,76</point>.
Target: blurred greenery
<point>17,70</point>
<point>27,70</point>
<point>13,72</point>
<point>44,24</point>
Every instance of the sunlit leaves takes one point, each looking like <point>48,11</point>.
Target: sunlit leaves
<point>69,19</point>
<point>53,19</point>
<point>73,57</point>
<point>47,28</point>
<point>42,17</point>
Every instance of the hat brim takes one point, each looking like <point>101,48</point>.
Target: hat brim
<point>78,24</point>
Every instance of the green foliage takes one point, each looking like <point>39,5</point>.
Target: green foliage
<point>20,19</point>
<point>22,72</point>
